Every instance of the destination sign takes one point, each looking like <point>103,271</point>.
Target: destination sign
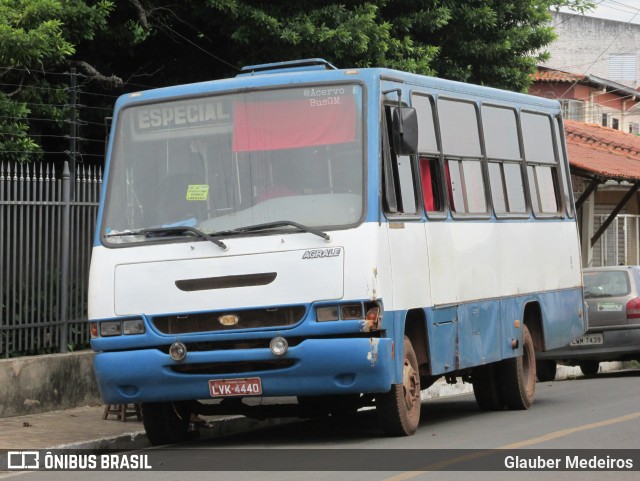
<point>181,115</point>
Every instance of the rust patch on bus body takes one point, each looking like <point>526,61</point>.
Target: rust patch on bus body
<point>372,355</point>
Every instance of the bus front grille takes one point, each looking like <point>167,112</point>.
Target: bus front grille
<point>229,320</point>
<point>214,368</point>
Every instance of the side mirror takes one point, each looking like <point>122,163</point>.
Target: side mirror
<point>405,131</point>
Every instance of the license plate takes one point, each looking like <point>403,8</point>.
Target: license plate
<point>251,386</point>
<point>588,340</point>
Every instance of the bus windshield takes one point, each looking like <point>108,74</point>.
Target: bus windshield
<point>226,162</point>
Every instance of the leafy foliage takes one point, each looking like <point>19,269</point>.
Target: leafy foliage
<point>150,43</point>
<point>37,38</point>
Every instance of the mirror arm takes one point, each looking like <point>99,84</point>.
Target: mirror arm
<point>399,92</point>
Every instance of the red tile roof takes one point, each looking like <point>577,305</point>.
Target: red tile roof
<point>603,151</point>
<point>556,76</point>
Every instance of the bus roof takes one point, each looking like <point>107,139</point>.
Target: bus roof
<point>319,70</point>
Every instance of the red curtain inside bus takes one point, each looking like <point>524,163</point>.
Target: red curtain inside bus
<point>427,184</point>
<point>288,124</point>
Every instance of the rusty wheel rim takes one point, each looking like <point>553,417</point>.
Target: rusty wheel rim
<point>410,385</point>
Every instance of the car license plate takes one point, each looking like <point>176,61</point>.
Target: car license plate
<point>588,340</point>
<point>251,386</point>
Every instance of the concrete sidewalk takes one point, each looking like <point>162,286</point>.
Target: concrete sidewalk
<point>84,428</point>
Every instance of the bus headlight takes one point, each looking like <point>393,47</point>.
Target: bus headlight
<point>110,328</point>
<point>116,328</point>
<point>133,326</point>
<point>327,313</point>
<point>279,346</point>
<point>178,351</point>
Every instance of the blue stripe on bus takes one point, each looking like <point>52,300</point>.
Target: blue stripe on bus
<point>460,337</point>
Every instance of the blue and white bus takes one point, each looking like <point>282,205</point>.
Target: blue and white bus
<point>343,237</point>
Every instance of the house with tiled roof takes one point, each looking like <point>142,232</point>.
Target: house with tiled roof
<point>595,81</point>
<point>605,161</point>
<point>605,167</point>
<point>601,125</point>
<point>590,99</point>
<point>600,153</point>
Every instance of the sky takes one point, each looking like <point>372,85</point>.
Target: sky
<point>620,10</point>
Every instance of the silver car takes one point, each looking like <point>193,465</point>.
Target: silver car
<point>612,295</point>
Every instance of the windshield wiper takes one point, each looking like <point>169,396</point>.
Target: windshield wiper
<point>280,223</point>
<point>178,230</point>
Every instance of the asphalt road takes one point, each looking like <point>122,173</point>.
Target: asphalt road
<point>601,413</point>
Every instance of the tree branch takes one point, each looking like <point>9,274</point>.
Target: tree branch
<point>19,87</point>
<point>111,82</point>
<point>142,14</point>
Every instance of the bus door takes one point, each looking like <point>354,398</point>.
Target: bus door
<point>405,228</point>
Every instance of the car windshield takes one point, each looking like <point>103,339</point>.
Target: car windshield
<point>226,162</point>
<point>606,284</point>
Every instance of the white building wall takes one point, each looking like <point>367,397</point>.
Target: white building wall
<point>585,45</point>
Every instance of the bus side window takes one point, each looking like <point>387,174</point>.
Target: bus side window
<point>461,145</point>
<point>398,175</point>
<point>429,154</point>
<point>542,166</point>
<point>562,153</point>
<point>430,177</point>
<point>466,186</point>
<point>447,171</point>
<point>505,160</point>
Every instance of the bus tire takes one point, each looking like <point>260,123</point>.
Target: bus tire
<point>589,368</point>
<point>518,376</point>
<point>165,422</point>
<point>546,370</point>
<point>399,409</point>
<point>486,388</point>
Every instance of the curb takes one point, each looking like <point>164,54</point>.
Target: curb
<point>138,439</point>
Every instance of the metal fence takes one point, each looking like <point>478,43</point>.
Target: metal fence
<point>37,255</point>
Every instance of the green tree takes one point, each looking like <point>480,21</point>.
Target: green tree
<point>488,42</point>
<point>37,43</point>
<point>151,43</point>
<point>491,42</point>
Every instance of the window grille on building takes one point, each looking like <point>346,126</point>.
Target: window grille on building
<point>622,67</point>
<point>573,109</point>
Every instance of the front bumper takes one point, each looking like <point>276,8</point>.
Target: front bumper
<point>318,366</point>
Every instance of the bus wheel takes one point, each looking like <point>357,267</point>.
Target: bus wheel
<point>486,388</point>
<point>589,368</point>
<point>399,409</point>
<point>546,370</point>
<point>518,376</point>
<point>165,422</point>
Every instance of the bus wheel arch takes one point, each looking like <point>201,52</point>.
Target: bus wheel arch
<point>532,318</point>
<point>415,329</point>
<point>399,409</point>
<point>545,369</point>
